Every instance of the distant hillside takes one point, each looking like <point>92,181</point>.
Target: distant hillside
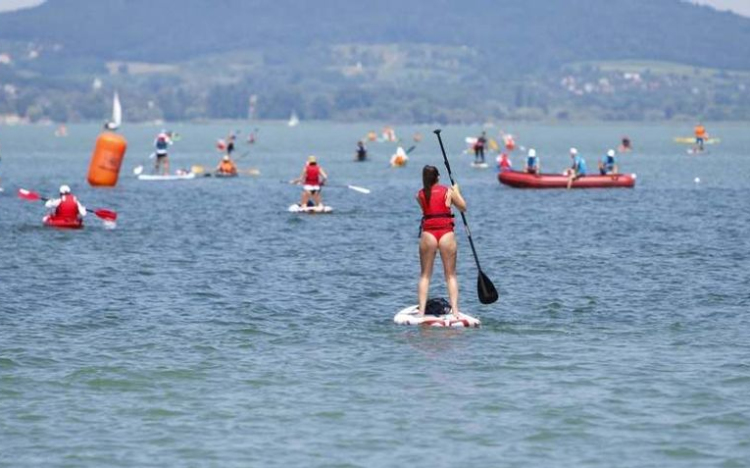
<point>512,34</point>
<point>397,60</point>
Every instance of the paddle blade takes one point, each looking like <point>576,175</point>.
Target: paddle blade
<point>486,290</point>
<point>106,215</point>
<point>138,170</point>
<point>358,189</point>
<point>28,195</point>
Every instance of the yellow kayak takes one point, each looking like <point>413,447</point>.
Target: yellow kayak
<point>691,140</point>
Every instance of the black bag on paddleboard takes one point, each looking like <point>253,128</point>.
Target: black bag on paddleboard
<point>437,307</point>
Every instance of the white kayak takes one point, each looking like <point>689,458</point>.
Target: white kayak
<point>410,316</point>
<point>310,209</point>
<point>477,165</point>
<point>189,175</point>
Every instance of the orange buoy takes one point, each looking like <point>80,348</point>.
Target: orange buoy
<point>107,159</point>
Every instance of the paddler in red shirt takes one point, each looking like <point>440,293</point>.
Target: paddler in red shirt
<point>312,178</point>
<point>437,234</point>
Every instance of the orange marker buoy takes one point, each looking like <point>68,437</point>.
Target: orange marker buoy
<point>106,160</point>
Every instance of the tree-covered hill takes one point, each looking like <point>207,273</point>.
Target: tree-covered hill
<point>399,60</point>
<point>528,34</point>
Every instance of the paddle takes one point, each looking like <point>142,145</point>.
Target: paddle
<point>350,187</point>
<point>28,195</point>
<point>485,289</point>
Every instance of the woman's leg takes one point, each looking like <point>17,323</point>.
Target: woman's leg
<point>427,250</point>
<point>305,198</point>
<point>448,253</point>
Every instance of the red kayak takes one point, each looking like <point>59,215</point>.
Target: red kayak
<point>61,223</point>
<point>549,181</point>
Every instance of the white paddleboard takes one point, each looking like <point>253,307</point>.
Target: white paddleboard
<point>477,165</point>
<point>310,209</point>
<point>189,175</point>
<point>410,316</point>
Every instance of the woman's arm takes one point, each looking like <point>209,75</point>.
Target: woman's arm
<point>454,196</point>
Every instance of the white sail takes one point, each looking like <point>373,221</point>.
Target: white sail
<point>116,111</point>
<point>116,121</point>
<point>293,120</point>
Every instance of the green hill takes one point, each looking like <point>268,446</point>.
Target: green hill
<point>406,59</point>
<point>528,34</point>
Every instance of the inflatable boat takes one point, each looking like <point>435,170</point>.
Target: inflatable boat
<point>550,181</point>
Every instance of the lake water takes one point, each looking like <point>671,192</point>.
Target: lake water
<point>213,328</point>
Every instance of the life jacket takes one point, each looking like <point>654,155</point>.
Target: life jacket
<point>579,166</point>
<point>509,143</point>
<point>435,215</point>
<point>227,167</point>
<point>312,174</point>
<point>504,161</point>
<point>68,208</point>
<point>161,143</point>
<point>532,161</point>
<point>700,131</point>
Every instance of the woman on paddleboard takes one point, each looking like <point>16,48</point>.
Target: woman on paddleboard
<point>437,234</point>
<point>312,178</point>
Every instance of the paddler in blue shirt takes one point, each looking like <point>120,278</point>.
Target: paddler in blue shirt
<point>608,164</point>
<point>533,166</point>
<point>578,169</point>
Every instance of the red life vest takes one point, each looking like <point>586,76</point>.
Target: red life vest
<point>68,208</point>
<point>435,215</point>
<point>312,174</point>
<point>504,161</point>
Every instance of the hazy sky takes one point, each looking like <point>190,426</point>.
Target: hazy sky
<point>9,5</point>
<point>739,6</point>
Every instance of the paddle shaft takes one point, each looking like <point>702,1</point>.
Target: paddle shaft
<point>463,216</point>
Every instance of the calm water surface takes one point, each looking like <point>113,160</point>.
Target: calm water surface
<point>213,328</point>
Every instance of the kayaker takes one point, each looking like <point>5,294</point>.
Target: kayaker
<point>226,166</point>
<point>503,163</point>
<point>578,169</point>
<point>361,151</point>
<point>436,233</point>
<point>700,136</point>
<point>67,207</point>
<point>400,158</point>
<point>162,143</point>
<point>312,178</point>
<point>533,165</point>
<point>608,163</point>
<point>509,142</point>
<point>479,146</point>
